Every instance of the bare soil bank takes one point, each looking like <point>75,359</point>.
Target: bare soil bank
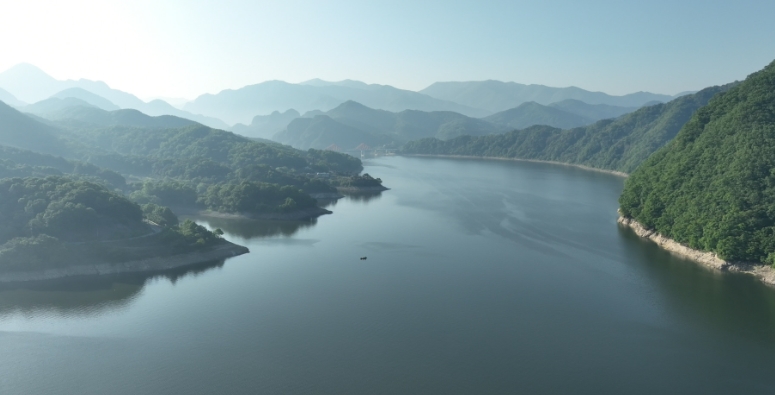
<point>763,272</point>
<point>616,173</point>
<point>152,264</point>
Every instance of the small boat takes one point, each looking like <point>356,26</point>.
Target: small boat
<point>363,258</point>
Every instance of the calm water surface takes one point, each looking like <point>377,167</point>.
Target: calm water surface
<point>482,277</point>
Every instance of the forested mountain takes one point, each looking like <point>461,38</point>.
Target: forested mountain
<point>24,163</point>
<point>594,112</point>
<point>55,222</point>
<point>713,187</point>
<point>498,96</point>
<point>532,113</point>
<point>266,126</point>
<point>351,124</point>
<point>241,105</point>
<point>620,144</point>
<point>184,163</point>
<point>30,84</point>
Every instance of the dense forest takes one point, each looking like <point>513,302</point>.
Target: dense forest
<point>713,186</point>
<point>614,144</point>
<point>57,221</point>
<point>174,166</point>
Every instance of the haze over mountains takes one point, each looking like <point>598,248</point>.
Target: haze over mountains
<point>241,105</point>
<point>264,109</point>
<point>497,96</point>
<point>351,123</point>
<point>29,84</point>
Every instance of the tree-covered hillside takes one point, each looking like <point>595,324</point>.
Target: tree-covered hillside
<point>620,144</point>
<point>22,163</point>
<point>195,159</point>
<point>713,187</point>
<point>54,222</point>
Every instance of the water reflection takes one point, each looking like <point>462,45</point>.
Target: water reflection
<point>705,295</point>
<point>252,229</point>
<point>90,295</point>
<point>363,197</point>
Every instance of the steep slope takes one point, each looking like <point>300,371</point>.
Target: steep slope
<point>621,144</point>
<point>241,105</point>
<point>532,113</point>
<point>713,187</point>
<point>498,96</point>
<point>595,112</point>
<point>20,131</point>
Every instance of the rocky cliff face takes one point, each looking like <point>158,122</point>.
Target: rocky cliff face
<point>763,272</point>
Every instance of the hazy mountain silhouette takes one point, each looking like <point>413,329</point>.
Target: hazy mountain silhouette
<point>21,131</point>
<point>30,84</point>
<point>594,112</point>
<point>532,113</point>
<point>322,131</point>
<point>351,123</point>
<point>7,98</point>
<point>498,96</point>
<point>53,105</point>
<point>88,97</point>
<point>266,126</point>
<point>85,116</point>
<point>241,105</point>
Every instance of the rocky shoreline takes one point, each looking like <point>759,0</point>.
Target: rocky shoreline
<point>614,172</point>
<point>765,273</point>
<point>154,264</point>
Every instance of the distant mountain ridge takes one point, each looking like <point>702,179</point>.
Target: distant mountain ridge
<point>531,113</point>
<point>85,116</point>
<point>241,105</point>
<point>498,96</point>
<point>30,84</point>
<point>620,144</point>
<point>351,124</point>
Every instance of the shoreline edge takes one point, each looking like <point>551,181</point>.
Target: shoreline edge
<point>763,272</point>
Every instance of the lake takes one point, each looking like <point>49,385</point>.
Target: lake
<point>482,277</point>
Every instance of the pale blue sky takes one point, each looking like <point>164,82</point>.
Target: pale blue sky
<point>185,48</point>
